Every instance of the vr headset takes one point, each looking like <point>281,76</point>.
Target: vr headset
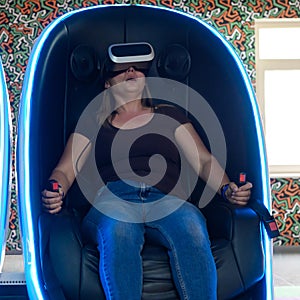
<point>123,56</point>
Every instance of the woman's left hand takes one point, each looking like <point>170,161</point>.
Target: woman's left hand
<point>238,195</point>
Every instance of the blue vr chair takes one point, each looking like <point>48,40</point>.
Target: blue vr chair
<point>5,159</point>
<point>63,76</point>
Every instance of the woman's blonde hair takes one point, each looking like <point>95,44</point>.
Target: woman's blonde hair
<point>107,111</point>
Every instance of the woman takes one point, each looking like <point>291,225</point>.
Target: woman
<point>119,227</point>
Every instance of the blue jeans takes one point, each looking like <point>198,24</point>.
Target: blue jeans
<point>120,237</point>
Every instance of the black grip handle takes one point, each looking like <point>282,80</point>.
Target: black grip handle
<point>52,186</point>
<point>242,179</point>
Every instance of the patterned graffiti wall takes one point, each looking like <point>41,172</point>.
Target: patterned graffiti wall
<point>21,22</point>
<point>286,208</point>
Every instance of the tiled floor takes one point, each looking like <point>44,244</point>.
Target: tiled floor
<point>286,271</point>
<point>13,264</point>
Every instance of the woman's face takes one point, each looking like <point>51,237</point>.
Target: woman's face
<point>128,83</point>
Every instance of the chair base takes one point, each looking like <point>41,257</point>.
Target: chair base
<point>13,286</point>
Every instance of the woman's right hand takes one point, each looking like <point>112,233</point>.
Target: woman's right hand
<point>52,201</point>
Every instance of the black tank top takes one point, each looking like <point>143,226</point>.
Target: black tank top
<point>148,153</point>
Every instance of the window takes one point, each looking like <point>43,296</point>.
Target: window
<point>278,92</point>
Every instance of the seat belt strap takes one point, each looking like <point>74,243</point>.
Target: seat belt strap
<point>265,216</point>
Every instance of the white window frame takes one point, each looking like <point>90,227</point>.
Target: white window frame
<point>263,65</point>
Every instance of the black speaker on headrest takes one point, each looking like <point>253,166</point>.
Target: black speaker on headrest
<point>85,63</point>
<point>174,62</point>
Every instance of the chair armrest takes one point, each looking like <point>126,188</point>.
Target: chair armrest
<point>230,222</point>
<point>72,266</point>
<point>241,227</point>
<point>60,246</point>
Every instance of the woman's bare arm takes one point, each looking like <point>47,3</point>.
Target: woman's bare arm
<point>206,165</point>
<point>73,158</point>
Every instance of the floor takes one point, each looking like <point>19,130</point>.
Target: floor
<point>286,271</point>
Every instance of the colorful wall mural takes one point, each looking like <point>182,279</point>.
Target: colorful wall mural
<point>21,22</point>
<point>286,208</point>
